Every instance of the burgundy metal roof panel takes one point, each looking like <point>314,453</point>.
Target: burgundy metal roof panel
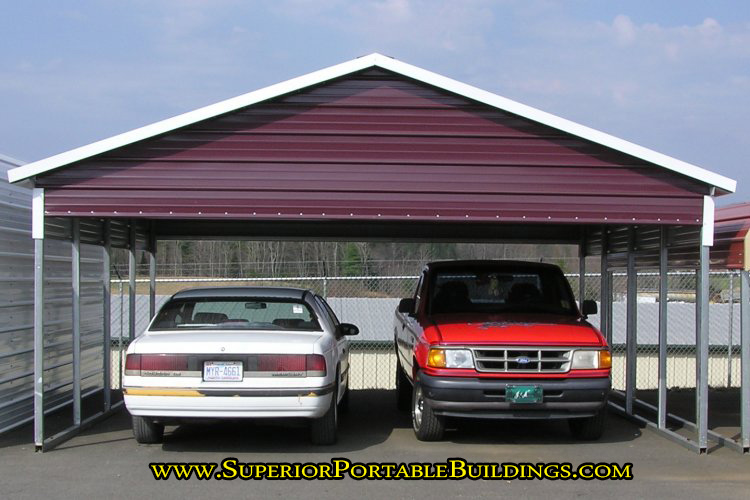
<point>373,146</point>
<point>730,232</point>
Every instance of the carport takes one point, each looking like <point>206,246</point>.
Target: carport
<point>373,148</point>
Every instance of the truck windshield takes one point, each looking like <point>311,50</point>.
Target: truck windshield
<point>235,314</point>
<point>501,290</point>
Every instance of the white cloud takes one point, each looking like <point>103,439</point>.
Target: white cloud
<point>683,89</point>
<point>624,30</point>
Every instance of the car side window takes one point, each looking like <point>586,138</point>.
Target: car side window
<point>328,312</point>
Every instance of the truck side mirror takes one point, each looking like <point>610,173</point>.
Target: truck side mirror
<point>406,306</point>
<point>589,307</point>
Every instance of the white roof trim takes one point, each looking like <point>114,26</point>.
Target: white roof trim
<point>388,63</point>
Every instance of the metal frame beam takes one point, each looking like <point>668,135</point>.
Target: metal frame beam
<point>605,290</point>
<point>745,354</point>
<point>76,318</point>
<point>37,232</point>
<point>152,273</point>
<point>107,313</point>
<point>631,339</point>
<point>701,338</point>
<point>582,270</point>
<point>39,342</point>
<point>663,303</point>
<point>131,280</point>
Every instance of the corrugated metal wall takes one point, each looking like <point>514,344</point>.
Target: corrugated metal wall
<point>58,326</point>
<point>16,303</point>
<point>17,312</point>
<point>373,146</point>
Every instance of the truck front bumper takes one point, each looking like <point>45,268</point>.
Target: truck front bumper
<point>485,398</point>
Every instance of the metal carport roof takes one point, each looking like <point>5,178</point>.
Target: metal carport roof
<point>378,149</point>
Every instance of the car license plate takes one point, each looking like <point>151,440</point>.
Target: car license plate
<point>523,394</point>
<point>222,371</point>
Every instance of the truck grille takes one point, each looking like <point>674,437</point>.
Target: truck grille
<point>522,359</point>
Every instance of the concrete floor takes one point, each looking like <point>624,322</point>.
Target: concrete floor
<point>106,461</point>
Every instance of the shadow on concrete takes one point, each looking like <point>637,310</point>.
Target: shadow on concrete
<point>371,419</point>
<point>723,409</point>
<point>553,432</point>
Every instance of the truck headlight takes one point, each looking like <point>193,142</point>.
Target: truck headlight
<point>450,358</point>
<point>591,359</point>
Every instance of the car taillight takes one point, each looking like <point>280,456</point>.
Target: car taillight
<point>316,365</point>
<point>307,365</point>
<point>155,364</point>
<point>281,363</point>
<point>133,364</point>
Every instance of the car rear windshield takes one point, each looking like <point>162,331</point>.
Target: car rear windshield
<point>235,314</point>
<point>498,290</point>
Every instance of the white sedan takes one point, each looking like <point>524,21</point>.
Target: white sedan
<point>241,352</point>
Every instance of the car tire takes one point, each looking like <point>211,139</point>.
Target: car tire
<point>588,428</point>
<point>403,389</point>
<point>146,431</point>
<point>323,429</point>
<point>427,425</point>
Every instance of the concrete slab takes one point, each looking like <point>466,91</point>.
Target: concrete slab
<point>106,462</point>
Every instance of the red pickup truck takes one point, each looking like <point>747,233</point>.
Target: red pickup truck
<point>499,339</point>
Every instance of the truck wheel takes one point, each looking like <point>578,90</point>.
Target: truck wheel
<point>427,425</point>
<point>403,389</point>
<point>323,429</point>
<point>146,431</point>
<point>588,428</point>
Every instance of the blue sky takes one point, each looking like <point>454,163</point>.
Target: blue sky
<point>670,75</point>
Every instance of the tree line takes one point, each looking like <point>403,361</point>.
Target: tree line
<point>328,258</point>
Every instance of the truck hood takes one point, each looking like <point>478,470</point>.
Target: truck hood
<point>515,329</point>
<point>223,342</point>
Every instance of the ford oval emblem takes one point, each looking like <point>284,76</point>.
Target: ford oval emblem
<point>522,360</point>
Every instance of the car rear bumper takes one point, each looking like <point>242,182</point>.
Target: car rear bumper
<point>485,398</point>
<point>256,403</point>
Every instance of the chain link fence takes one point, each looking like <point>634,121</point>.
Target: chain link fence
<point>370,302</point>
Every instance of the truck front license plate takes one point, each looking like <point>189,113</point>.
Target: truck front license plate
<point>222,371</point>
<point>523,394</point>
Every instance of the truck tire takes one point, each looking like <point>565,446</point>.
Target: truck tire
<point>323,429</point>
<point>588,428</point>
<point>146,431</point>
<point>403,389</point>
<point>427,425</point>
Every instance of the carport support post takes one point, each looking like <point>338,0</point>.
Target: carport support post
<point>702,325</point>
<point>76,282</point>
<point>631,323</point>
<point>606,294</point>
<point>152,275</point>
<point>37,232</point>
<point>107,312</point>
<point>131,282</point>
<point>745,346</point>
<point>701,370</point>
<point>582,271</point>
<point>730,333</point>
<point>663,302</point>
